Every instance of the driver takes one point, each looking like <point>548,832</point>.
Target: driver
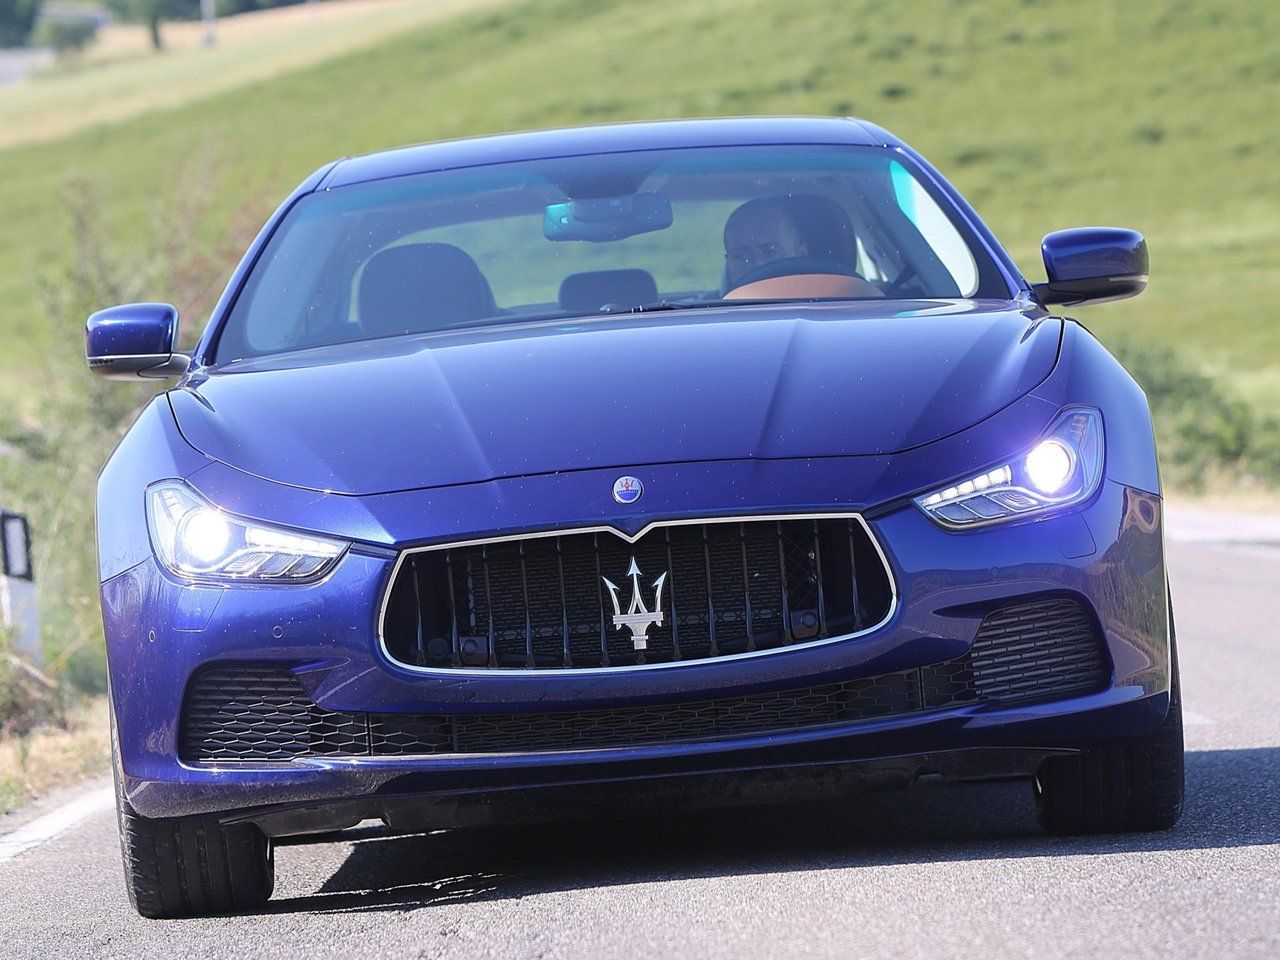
<point>809,229</point>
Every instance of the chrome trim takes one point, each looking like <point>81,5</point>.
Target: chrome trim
<point>631,538</point>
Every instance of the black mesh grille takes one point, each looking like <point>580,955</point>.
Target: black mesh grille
<point>1037,650</point>
<point>545,602</point>
<point>1030,651</point>
<point>832,703</point>
<point>248,713</point>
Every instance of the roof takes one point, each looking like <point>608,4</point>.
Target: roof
<point>606,138</point>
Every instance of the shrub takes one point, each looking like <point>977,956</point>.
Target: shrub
<point>66,36</point>
<point>27,696</point>
<point>60,446</point>
<point>1205,431</point>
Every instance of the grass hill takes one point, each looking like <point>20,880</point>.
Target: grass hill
<point>1045,113</point>
<point>120,76</point>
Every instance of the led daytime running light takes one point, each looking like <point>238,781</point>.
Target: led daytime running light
<point>1064,467</point>
<point>194,539</point>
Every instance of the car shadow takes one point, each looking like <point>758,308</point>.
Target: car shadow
<point>1233,800</point>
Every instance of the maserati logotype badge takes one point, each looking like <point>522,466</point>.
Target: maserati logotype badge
<point>638,618</point>
<point>627,489</point>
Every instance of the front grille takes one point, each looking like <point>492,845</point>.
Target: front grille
<point>722,588</point>
<point>1030,651</point>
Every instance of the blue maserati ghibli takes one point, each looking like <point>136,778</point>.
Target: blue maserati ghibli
<point>528,476</point>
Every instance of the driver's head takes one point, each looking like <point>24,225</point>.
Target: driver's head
<point>768,229</point>
<point>760,232</point>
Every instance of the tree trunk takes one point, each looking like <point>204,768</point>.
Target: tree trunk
<point>153,24</point>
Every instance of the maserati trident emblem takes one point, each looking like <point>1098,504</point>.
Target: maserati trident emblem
<point>627,489</point>
<point>638,618</point>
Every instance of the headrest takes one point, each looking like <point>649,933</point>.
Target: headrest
<point>422,286</point>
<point>588,292</point>
<point>819,221</point>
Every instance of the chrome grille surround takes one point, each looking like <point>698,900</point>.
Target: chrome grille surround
<point>456,671</point>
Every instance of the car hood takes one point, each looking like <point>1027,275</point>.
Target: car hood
<point>794,381</point>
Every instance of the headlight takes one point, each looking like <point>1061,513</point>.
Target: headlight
<point>196,540</point>
<point>1064,467</point>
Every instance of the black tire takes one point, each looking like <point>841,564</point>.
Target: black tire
<point>186,866</point>
<point>1133,785</point>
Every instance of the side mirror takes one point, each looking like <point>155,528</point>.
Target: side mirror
<point>1092,265</point>
<point>134,341</point>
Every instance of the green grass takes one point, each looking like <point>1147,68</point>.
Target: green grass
<point>120,76</point>
<point>1045,114</point>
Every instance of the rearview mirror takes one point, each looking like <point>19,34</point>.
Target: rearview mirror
<point>601,219</point>
<point>134,341</point>
<point>1092,265</point>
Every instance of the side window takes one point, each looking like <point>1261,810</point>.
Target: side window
<point>947,244</point>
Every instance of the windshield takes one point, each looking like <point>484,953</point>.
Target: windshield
<point>609,233</point>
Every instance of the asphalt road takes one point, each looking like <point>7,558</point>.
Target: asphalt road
<point>937,871</point>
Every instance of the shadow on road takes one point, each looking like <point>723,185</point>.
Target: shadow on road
<point>1233,799</point>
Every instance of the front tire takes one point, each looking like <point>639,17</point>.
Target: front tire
<point>1133,785</point>
<point>187,866</point>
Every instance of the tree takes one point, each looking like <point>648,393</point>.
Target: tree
<point>153,12</point>
<point>17,18</point>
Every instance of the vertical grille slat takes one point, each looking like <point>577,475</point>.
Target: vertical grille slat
<point>600,589</point>
<point>728,587</point>
<point>787,635</point>
<point>711,604</point>
<point>746,586</point>
<point>455,658</point>
<point>674,614</point>
<point>488,608</point>
<point>421,644</point>
<point>564,605</point>
<point>817,569</point>
<point>853,581</point>
<point>528,620</point>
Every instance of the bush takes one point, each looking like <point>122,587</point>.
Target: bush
<point>66,36</point>
<point>58,449</point>
<point>27,696</point>
<point>1205,431</point>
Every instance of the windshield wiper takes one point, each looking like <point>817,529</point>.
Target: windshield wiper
<point>658,305</point>
<point>655,307</point>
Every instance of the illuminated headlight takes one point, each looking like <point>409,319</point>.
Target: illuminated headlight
<point>196,540</point>
<point>1064,467</point>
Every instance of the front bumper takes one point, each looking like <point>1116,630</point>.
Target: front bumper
<point>1108,553</point>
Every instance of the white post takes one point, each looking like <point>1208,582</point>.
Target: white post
<point>17,587</point>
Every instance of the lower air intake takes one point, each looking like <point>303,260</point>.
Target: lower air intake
<point>1036,650</point>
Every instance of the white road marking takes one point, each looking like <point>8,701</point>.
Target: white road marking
<point>1192,719</point>
<point>45,828</point>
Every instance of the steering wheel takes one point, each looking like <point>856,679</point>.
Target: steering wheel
<point>895,287</point>
<point>793,266</point>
